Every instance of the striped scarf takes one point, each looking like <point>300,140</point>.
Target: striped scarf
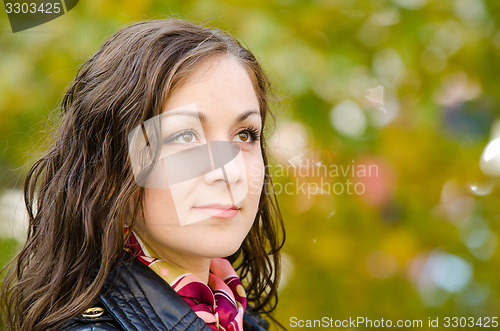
<point>221,303</point>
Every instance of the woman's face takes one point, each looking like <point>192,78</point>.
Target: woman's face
<point>211,193</point>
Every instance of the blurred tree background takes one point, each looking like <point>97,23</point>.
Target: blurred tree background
<point>404,92</point>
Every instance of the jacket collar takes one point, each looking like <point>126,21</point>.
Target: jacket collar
<point>140,300</point>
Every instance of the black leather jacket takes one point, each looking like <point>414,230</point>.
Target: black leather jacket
<point>135,298</point>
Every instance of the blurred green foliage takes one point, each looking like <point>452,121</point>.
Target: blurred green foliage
<point>408,246</point>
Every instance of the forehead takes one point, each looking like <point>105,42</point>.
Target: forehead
<point>221,83</point>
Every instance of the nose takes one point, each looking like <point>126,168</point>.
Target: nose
<point>227,162</point>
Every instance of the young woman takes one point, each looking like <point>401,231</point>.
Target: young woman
<point>154,189</point>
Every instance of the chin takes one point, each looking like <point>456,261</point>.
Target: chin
<point>225,250</point>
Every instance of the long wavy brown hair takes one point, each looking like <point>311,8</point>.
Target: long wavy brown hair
<point>82,192</point>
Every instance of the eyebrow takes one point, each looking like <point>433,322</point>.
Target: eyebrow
<point>202,117</point>
<point>245,115</point>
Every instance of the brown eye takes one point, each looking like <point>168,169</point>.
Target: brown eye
<point>244,136</point>
<point>187,137</point>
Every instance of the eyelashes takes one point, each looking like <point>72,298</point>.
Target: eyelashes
<point>254,133</point>
<point>191,136</point>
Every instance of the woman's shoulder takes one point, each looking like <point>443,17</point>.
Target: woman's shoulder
<point>106,322</point>
<point>133,291</point>
<point>135,298</point>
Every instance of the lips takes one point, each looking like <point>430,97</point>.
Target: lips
<point>218,210</point>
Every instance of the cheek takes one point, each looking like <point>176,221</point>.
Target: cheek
<point>159,208</point>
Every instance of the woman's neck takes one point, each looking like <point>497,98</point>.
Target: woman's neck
<point>196,265</point>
